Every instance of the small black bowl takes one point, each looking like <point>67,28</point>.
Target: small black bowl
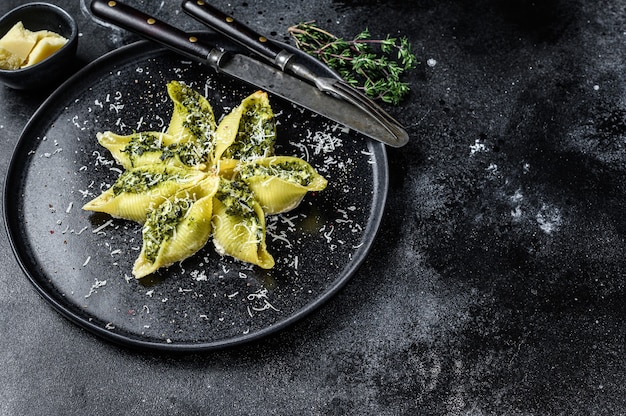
<point>45,74</point>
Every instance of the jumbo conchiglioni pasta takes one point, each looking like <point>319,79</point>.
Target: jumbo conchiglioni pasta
<point>279,183</point>
<point>153,148</point>
<point>239,225</point>
<point>177,228</point>
<point>194,181</point>
<point>248,131</point>
<point>139,190</point>
<point>192,118</point>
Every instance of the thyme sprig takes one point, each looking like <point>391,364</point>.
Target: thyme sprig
<point>374,66</point>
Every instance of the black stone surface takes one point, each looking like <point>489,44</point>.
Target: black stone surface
<point>496,283</point>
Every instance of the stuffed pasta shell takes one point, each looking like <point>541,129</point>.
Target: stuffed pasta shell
<point>152,148</point>
<point>279,183</point>
<point>139,190</point>
<point>239,225</point>
<point>197,180</point>
<point>177,228</point>
<point>192,117</point>
<point>248,131</point>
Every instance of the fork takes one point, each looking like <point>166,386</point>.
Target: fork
<point>286,61</point>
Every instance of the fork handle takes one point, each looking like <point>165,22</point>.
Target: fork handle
<point>237,31</point>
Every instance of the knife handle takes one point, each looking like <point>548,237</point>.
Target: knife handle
<point>149,27</point>
<point>236,31</point>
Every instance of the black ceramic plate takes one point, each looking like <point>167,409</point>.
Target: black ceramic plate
<point>81,262</point>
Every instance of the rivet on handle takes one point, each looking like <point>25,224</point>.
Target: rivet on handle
<point>112,3</point>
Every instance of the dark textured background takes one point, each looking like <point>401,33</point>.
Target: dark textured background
<point>496,284</point>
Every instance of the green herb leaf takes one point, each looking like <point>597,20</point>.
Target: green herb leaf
<point>374,66</point>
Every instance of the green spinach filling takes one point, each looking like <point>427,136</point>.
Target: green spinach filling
<point>197,121</point>
<point>162,223</point>
<point>137,181</point>
<point>190,153</point>
<point>290,171</point>
<point>239,202</point>
<point>256,135</point>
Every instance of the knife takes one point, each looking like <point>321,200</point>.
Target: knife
<point>287,61</point>
<point>247,69</point>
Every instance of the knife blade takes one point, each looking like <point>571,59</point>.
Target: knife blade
<point>244,68</point>
<point>287,61</point>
